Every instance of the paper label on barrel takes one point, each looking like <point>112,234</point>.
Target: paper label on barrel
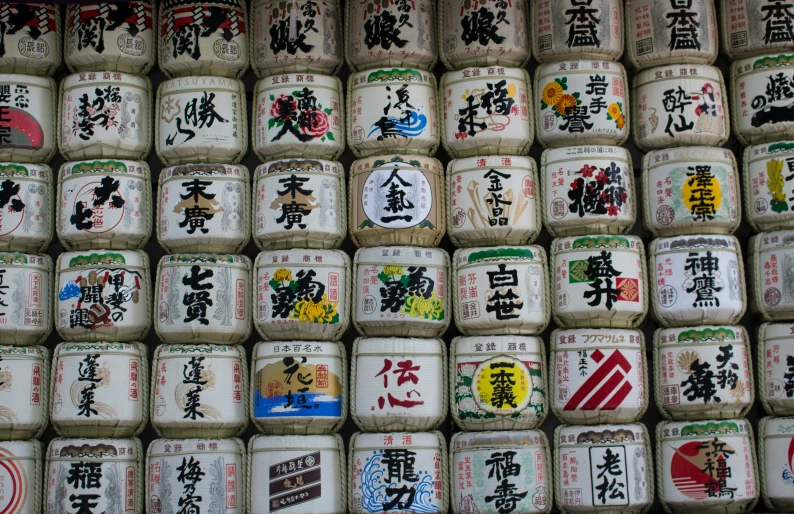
<point>490,386</point>
<point>699,280</point>
<point>397,477</point>
<point>776,286</point>
<point>22,387</point>
<point>493,292</point>
<point>573,26</point>
<point>582,99</point>
<point>196,31</point>
<point>314,46</point>
<point>660,29</point>
<point>210,114</point>
<point>394,104</point>
<point>299,112</point>
<point>300,385</point>
<point>24,293</point>
<point>502,479</point>
<point>705,376</point>
<point>96,297</point>
<point>24,202</point>
<point>106,110</point>
<point>599,370</point>
<point>778,448</point>
<point>475,30</point>
<point>771,195</point>
<point>693,194</point>
<point>757,26</point>
<point>26,113</point>
<point>603,469</point>
<point>192,390</point>
<point>482,103</point>
<point>212,481</point>
<point>709,462</point>
<point>93,388</point>
<point>778,370</point>
<point>687,108</point>
<point>198,201</point>
<point>300,197</point>
<point>29,31</point>
<point>395,31</point>
<point>18,479</point>
<point>763,92</point>
<point>104,198</point>
<point>95,476</point>
<point>115,31</point>
<point>589,189</point>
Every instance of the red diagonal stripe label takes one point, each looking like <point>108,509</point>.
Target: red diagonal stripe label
<point>616,360</point>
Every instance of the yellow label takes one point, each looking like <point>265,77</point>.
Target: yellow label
<point>702,189</point>
<point>502,385</point>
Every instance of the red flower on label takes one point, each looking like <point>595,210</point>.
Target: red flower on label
<point>314,122</point>
<point>283,107</point>
<point>461,135</point>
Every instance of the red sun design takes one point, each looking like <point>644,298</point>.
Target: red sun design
<point>686,469</point>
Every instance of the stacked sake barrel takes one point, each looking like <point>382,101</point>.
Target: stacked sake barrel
<point>760,107</point>
<point>302,281</point>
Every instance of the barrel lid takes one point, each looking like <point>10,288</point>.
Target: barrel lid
<point>283,80</point>
<point>88,79</point>
<point>26,260</point>
<point>475,256</point>
<point>299,166</point>
<point>490,161</point>
<point>702,72</point>
<point>397,345</point>
<point>83,448</point>
<point>513,439</point>
<point>104,166</point>
<point>687,243</point>
<point>706,334</point>
<point>364,441</point>
<point>205,83</point>
<point>574,435</point>
<point>197,350</point>
<point>276,443</point>
<point>497,345</point>
<point>100,258</point>
<point>273,349</point>
<point>302,257</point>
<point>206,259</point>
<point>165,447</point>
<point>406,255</point>
<point>138,349</point>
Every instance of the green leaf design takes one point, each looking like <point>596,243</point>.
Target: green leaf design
<point>322,139</point>
<point>330,136</point>
<point>296,93</point>
<point>272,97</point>
<point>563,82</point>
<point>367,224</point>
<point>575,95</point>
<point>327,111</point>
<point>270,123</point>
<point>383,277</point>
<point>273,283</point>
<point>543,105</point>
<point>427,224</point>
<point>279,123</point>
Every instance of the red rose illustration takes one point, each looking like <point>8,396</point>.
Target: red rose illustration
<point>283,107</point>
<point>313,122</point>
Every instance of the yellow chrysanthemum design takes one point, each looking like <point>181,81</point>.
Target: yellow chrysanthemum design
<point>393,270</point>
<point>552,93</point>
<point>565,103</point>
<point>310,311</point>
<point>614,111</point>
<point>417,306</point>
<point>282,275</point>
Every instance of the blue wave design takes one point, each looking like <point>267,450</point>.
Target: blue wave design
<point>788,476</point>
<point>69,290</point>
<point>412,128</point>
<point>266,407</point>
<point>373,495</point>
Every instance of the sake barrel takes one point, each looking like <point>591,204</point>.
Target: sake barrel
<point>587,190</point>
<point>690,190</point>
<point>24,402</point>
<point>662,32</point>
<point>599,281</point>
<point>767,195</point>
<point>204,38</point>
<point>105,115</point>
<point>490,33</point>
<point>105,203</point>
<point>598,375</point>
<point>750,28</point>
<point>302,294</point>
<point>492,200</point>
<point>31,40</point>
<point>426,490</point>
<point>677,105</point>
<point>22,473</point>
<point>95,475</point>
<point>26,221</point>
<point>587,457</point>
<point>204,208</point>
<point>769,268</point>
<point>774,440</point>
<point>111,36</point>
<point>398,384</point>
<point>707,273</point>
<point>498,382</point>
<point>760,110</point>
<point>304,473</point>
<point>201,119</point>
<point>396,200</point>
<point>100,389</point>
<point>28,114</point>
<point>203,298</point>
<point>723,447</point>
<point>486,111</point>
<point>199,390</point>
<point>775,357</point>
<point>391,33</point>
<point>103,295</point>
<point>299,387</point>
<point>571,29</point>
<point>299,203</point>
<point>703,372</point>
<point>392,110</point>
<point>25,298</point>
<point>298,115</point>
<point>315,48</point>
<point>499,471</point>
<point>516,298</point>
<point>406,297</point>
<point>197,474</point>
<point>581,103</point>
